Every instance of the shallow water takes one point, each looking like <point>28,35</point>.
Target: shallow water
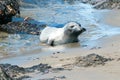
<point>57,14</point>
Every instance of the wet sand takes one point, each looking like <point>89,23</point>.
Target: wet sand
<point>109,48</point>
<point>112,18</point>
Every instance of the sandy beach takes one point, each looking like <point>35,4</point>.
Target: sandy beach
<point>107,47</point>
<point>64,56</point>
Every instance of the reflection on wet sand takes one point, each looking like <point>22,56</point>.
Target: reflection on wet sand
<point>113,18</point>
<point>3,37</point>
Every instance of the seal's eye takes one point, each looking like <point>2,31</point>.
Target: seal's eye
<point>80,25</point>
<point>72,26</point>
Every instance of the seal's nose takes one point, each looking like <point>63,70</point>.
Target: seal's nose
<point>83,29</point>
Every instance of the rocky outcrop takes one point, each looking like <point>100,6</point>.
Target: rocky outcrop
<point>91,60</point>
<point>4,75</point>
<point>108,4</point>
<point>14,72</point>
<point>8,8</point>
<point>103,4</point>
<point>23,27</point>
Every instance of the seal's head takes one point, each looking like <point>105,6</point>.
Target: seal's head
<point>73,29</point>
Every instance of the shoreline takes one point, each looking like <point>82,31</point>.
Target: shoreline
<point>84,48</point>
<point>58,59</point>
<point>109,71</point>
<point>62,58</point>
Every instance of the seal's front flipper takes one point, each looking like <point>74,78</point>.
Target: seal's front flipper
<point>51,42</point>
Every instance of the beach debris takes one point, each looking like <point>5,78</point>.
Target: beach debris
<point>95,48</point>
<point>91,60</point>
<point>118,59</point>
<point>58,52</point>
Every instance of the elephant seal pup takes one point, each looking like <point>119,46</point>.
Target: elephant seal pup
<point>56,36</point>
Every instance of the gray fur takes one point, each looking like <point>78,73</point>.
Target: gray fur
<point>56,36</point>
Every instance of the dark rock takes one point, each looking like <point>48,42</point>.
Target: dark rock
<point>118,59</point>
<point>108,4</point>
<point>4,75</point>
<point>56,70</point>
<point>55,78</point>
<point>40,68</point>
<point>91,60</point>
<point>8,8</point>
<point>23,78</point>
<point>20,27</point>
<point>103,4</point>
<point>18,73</point>
<point>89,1</point>
<point>13,70</point>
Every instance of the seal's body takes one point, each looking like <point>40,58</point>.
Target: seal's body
<point>56,36</point>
